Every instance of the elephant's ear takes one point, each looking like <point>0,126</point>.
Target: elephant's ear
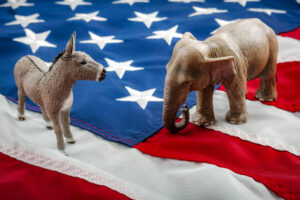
<point>220,69</point>
<point>189,35</point>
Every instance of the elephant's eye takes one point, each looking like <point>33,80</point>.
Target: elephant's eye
<point>83,62</point>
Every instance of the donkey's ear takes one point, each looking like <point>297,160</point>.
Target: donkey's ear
<point>70,48</point>
<point>220,69</point>
<point>189,35</point>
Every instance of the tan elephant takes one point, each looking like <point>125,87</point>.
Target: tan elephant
<point>240,51</point>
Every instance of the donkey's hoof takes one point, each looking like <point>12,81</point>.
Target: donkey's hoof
<point>49,125</point>
<point>63,152</point>
<point>70,140</point>
<point>21,118</point>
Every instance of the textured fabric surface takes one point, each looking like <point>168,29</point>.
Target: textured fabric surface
<point>293,34</point>
<point>22,181</point>
<point>257,160</point>
<point>134,51</point>
<point>125,170</point>
<point>278,170</point>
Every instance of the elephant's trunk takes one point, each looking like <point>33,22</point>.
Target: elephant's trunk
<point>174,96</point>
<point>169,117</point>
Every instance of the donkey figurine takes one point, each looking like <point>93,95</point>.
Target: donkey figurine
<point>52,89</point>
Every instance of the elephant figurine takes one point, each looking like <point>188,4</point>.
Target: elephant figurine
<point>237,52</point>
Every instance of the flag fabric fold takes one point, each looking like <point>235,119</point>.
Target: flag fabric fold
<point>130,155</point>
<point>133,40</point>
<point>125,170</point>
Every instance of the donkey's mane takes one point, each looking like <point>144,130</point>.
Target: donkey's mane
<point>56,59</point>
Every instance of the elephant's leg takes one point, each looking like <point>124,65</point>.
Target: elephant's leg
<point>236,92</point>
<point>204,115</point>
<point>267,88</point>
<point>48,121</point>
<point>21,104</point>
<point>55,117</point>
<point>65,121</point>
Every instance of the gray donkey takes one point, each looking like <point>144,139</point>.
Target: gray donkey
<point>52,89</point>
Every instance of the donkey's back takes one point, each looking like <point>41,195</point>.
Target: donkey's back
<point>26,67</point>
<point>28,72</point>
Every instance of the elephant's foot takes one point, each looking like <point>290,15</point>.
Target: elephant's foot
<point>266,94</point>
<point>237,118</point>
<point>268,97</point>
<point>203,120</point>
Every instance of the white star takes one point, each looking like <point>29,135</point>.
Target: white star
<point>120,67</point>
<point>73,3</point>
<point>186,1</point>
<point>141,98</point>
<point>35,40</point>
<point>101,41</point>
<point>147,19</point>
<point>205,11</point>
<point>87,17</point>
<point>241,2</point>
<point>167,35</point>
<point>24,21</point>
<point>267,11</point>
<point>131,2</point>
<point>222,23</point>
<point>14,4</point>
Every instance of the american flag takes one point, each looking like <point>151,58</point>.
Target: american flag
<point>133,40</point>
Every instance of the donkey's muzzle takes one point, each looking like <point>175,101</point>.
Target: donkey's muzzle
<point>103,75</point>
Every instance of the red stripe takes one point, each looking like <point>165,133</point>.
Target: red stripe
<point>21,181</point>
<point>279,171</point>
<point>293,34</point>
<point>288,87</point>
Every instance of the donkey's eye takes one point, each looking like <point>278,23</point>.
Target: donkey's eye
<point>83,62</point>
<point>186,83</point>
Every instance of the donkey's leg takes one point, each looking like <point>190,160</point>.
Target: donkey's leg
<point>21,104</point>
<point>55,117</point>
<point>49,124</point>
<point>65,121</point>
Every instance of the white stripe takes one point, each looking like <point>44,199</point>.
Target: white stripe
<point>289,49</point>
<point>123,169</point>
<point>267,125</point>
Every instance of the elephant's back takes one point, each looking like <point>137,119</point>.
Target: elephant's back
<point>252,39</point>
<point>247,29</point>
<point>249,35</point>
